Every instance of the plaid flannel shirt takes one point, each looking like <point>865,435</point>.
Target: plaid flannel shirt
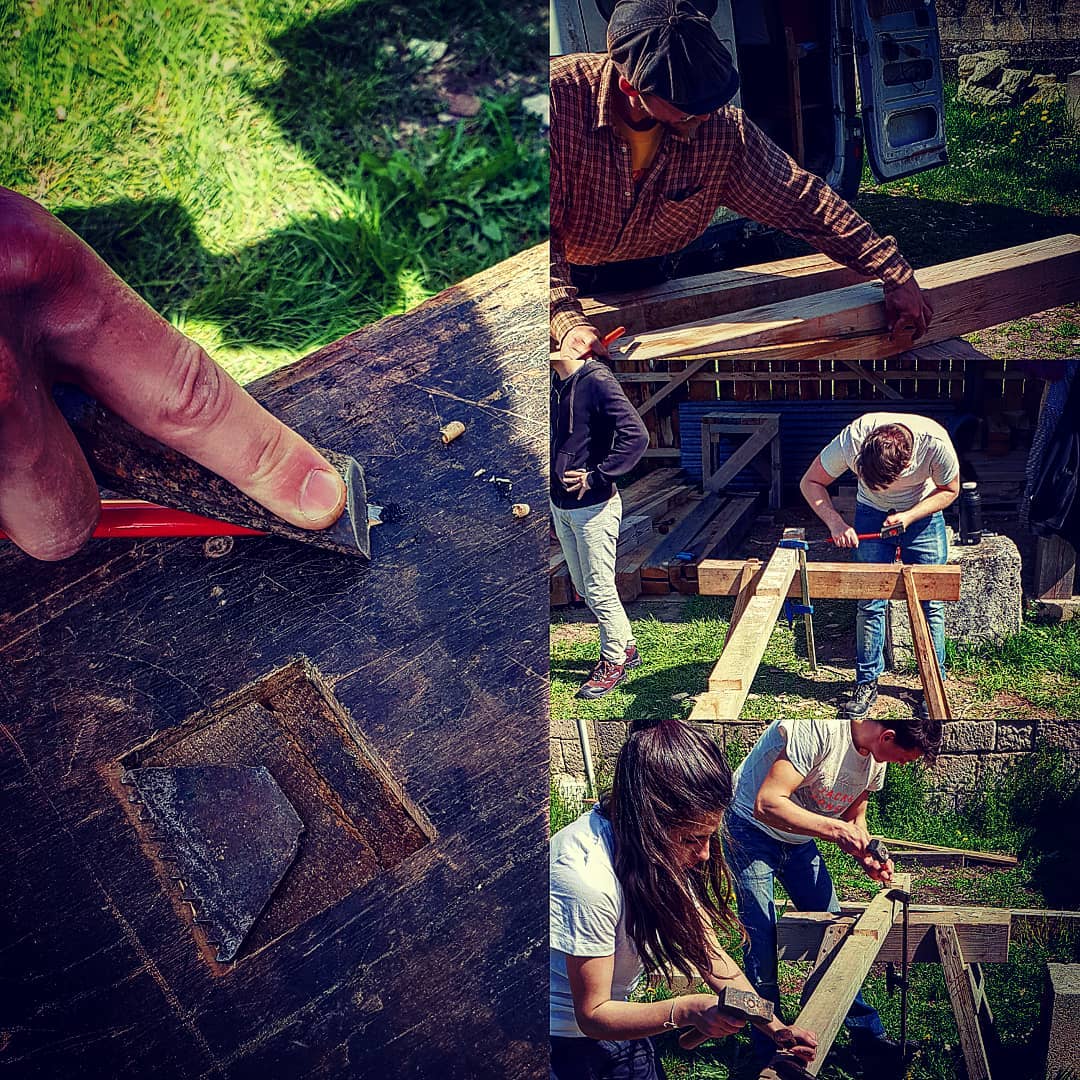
<point>597,216</point>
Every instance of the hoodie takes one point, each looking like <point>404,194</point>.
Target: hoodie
<point>594,427</point>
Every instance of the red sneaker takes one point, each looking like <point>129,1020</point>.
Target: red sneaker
<point>633,658</point>
<point>604,678</point>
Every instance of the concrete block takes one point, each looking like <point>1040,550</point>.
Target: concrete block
<point>954,774</point>
<point>1063,733</point>
<point>1020,736</point>
<point>1061,1013</point>
<point>563,728</point>
<point>990,604</point>
<point>960,736</point>
<point>572,761</point>
<point>608,741</point>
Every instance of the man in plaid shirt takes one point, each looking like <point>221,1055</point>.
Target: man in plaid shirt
<point>645,149</point>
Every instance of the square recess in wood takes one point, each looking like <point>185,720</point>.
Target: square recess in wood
<point>357,819</point>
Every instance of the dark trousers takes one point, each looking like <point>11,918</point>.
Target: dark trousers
<point>598,1059</point>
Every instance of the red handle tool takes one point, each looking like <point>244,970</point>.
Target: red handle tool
<point>134,519</point>
<point>607,339</point>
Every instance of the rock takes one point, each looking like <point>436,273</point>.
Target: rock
<point>1014,83</point>
<point>464,104</point>
<point>1018,736</point>
<point>1046,90</point>
<point>961,735</point>
<point>982,96</point>
<point>986,68</point>
<point>430,52</point>
<point>538,105</point>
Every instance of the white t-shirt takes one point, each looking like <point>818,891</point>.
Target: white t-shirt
<point>586,915</point>
<point>933,459</point>
<point>835,773</point>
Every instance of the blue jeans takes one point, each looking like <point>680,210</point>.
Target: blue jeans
<point>596,1059</point>
<point>923,543</point>
<point>755,859</point>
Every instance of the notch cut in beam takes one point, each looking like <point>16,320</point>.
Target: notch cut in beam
<point>984,933</point>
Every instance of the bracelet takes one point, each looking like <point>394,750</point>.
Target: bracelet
<point>669,1023</point>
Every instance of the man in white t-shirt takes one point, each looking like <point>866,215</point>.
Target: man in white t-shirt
<point>908,473</point>
<point>807,780</point>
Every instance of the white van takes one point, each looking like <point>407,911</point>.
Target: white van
<point>798,63</point>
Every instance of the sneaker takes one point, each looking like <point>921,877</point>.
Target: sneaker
<point>604,678</point>
<point>861,701</point>
<point>633,658</point>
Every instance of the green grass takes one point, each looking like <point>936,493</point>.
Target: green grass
<point>1033,671</point>
<point>272,175</point>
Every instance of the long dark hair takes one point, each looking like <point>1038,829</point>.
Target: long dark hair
<point>667,775</point>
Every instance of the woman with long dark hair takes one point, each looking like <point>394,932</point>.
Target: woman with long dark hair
<point>637,885</point>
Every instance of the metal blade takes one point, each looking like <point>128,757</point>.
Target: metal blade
<point>232,834</point>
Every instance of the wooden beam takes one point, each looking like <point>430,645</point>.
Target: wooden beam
<point>868,376</point>
<point>984,933</point>
<point>758,429</point>
<point>968,294</point>
<point>824,1012</point>
<point>1055,568</point>
<point>937,702</point>
<point>744,648</point>
<point>936,855</point>
<point>961,990</point>
<point>706,295</point>
<point>839,580</point>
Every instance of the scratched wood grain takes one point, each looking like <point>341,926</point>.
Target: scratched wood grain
<point>437,651</point>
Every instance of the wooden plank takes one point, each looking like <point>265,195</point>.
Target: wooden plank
<point>698,513</point>
<point>914,849</point>
<point>984,932</point>
<point>1055,568</point>
<point>830,1001</point>
<point>126,642</point>
<point>937,702</point>
<point>687,299</point>
<point>732,521</point>
<point>961,994</point>
<point>844,581</point>
<point>718,705</point>
<point>868,376</point>
<point>836,933</point>
<point>745,645</point>
<point>968,294</point>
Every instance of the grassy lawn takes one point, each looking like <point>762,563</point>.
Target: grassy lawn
<point>1029,812</point>
<point>1035,673</point>
<point>271,175</point>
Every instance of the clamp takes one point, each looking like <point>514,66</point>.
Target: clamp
<point>805,609</point>
<point>901,981</point>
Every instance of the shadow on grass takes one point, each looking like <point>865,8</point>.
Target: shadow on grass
<point>931,231</point>
<point>409,219</point>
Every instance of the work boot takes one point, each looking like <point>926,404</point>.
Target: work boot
<point>861,701</point>
<point>879,1055</point>
<point>919,710</point>
<point>604,678</point>
<point>633,658</point>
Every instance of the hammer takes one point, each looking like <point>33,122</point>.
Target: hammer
<point>877,850</point>
<point>743,1005</point>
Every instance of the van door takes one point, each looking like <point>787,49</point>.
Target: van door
<point>898,56</point>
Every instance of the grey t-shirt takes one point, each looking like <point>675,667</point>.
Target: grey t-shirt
<point>835,773</point>
<point>586,916</point>
<point>933,459</point>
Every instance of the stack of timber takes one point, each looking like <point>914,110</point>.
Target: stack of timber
<point>668,528</point>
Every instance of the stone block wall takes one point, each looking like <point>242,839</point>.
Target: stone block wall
<point>972,753</point>
<point>1040,35</point>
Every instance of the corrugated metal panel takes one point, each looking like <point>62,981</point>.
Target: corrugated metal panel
<point>805,428</point>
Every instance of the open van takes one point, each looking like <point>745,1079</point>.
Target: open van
<point>800,62</point>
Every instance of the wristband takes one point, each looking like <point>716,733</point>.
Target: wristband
<point>669,1023</point>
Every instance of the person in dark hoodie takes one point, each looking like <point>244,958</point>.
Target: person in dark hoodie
<point>596,437</point>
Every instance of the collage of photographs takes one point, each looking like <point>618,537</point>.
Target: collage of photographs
<point>538,541</point>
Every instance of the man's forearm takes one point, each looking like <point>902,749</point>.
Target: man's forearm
<point>934,502</point>
<point>819,501</point>
<point>782,813</point>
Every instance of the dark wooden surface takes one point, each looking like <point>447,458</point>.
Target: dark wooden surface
<point>436,653</point>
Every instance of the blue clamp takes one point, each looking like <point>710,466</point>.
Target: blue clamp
<point>795,544</point>
<point>791,609</point>
<point>685,556</point>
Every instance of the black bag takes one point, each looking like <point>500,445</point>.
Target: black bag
<point>1055,508</point>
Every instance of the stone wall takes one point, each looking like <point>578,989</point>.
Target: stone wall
<point>972,753</point>
<point>1041,35</point>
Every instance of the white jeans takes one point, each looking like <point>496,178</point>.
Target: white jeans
<point>588,536</point>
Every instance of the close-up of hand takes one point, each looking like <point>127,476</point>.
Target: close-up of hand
<point>583,341</point>
<point>881,872</point>
<point>851,838</point>
<point>907,309</point>
<point>843,535</point>
<point>66,317</point>
<point>798,1042</point>
<point>700,1011</point>
<point>576,482</point>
